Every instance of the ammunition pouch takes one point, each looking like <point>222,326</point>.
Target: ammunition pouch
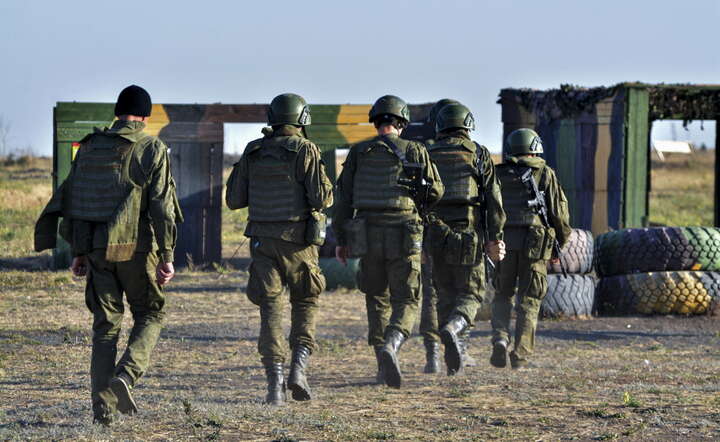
<point>412,238</point>
<point>356,234</point>
<point>539,242</point>
<point>315,229</point>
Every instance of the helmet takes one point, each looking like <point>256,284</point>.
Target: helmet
<point>390,105</point>
<point>454,115</point>
<point>523,141</point>
<point>436,108</point>
<point>289,109</point>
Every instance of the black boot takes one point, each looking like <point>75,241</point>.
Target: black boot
<point>276,384</point>
<point>499,354</point>
<point>389,358</point>
<point>450,335</point>
<point>432,357</point>
<point>380,377</point>
<point>297,382</point>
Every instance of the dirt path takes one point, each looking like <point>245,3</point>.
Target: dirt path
<point>608,378</point>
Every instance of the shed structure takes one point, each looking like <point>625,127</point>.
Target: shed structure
<point>598,141</point>
<point>194,135</point>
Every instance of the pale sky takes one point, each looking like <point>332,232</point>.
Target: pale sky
<point>341,52</point>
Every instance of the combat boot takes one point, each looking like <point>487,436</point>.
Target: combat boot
<point>380,376</point>
<point>432,357</point>
<point>517,363</point>
<point>121,386</point>
<point>276,384</point>
<point>389,358</point>
<point>450,335</point>
<point>499,354</point>
<point>297,382</point>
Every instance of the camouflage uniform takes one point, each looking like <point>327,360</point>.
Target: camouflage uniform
<point>120,208</point>
<point>471,200</point>
<point>282,181</point>
<point>529,247</point>
<point>378,220</point>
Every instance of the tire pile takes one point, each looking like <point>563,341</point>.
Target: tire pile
<point>574,296</point>
<point>659,270</point>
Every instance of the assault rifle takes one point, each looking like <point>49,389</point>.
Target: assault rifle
<point>537,203</point>
<point>418,186</point>
<point>414,179</point>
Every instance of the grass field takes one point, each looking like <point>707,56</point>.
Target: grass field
<point>634,378</point>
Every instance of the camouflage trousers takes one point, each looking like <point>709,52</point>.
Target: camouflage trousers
<point>390,279</point>
<point>460,289</point>
<point>428,313</point>
<point>529,277</point>
<point>275,264</point>
<point>106,283</point>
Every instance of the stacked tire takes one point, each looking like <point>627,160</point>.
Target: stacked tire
<point>336,275</point>
<point>574,296</point>
<point>659,270</point>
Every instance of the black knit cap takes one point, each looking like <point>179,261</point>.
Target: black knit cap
<point>133,100</point>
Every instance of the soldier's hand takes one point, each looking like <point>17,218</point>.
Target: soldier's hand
<point>555,261</point>
<point>79,266</point>
<point>341,254</point>
<point>165,272</point>
<point>495,250</point>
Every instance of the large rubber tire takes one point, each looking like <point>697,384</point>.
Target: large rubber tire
<point>577,255</point>
<point>684,293</point>
<point>338,275</point>
<point>657,249</point>
<point>571,297</point>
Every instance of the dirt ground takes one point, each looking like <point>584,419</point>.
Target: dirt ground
<point>636,378</point>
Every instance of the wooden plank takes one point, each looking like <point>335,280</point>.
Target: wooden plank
<point>635,197</point>
<point>92,112</point>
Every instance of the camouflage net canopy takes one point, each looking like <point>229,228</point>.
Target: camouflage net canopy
<point>566,102</point>
<point>672,101</point>
<point>684,102</point>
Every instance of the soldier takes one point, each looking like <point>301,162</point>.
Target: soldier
<point>384,184</point>
<point>468,219</point>
<point>529,243</point>
<point>119,211</point>
<point>282,181</point>
<point>428,312</point>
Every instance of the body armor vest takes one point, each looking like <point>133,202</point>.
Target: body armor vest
<point>516,195</point>
<point>274,195</point>
<point>457,165</point>
<point>101,181</point>
<point>375,185</point>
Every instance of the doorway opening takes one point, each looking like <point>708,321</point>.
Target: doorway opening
<point>682,173</point>
<point>235,246</point>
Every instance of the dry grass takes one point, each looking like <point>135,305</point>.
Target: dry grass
<point>682,189</point>
<point>626,378</point>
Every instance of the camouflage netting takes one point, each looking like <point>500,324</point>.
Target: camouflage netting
<point>684,102</point>
<point>566,102</point>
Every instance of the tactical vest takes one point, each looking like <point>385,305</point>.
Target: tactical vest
<point>375,186</point>
<point>458,168</point>
<point>274,195</point>
<point>101,181</point>
<point>515,195</point>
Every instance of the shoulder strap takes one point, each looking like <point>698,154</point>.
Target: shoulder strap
<point>396,150</point>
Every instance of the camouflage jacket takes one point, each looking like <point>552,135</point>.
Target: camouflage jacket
<point>145,221</point>
<point>309,170</point>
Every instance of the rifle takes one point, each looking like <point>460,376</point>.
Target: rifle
<point>537,203</point>
<point>414,180</point>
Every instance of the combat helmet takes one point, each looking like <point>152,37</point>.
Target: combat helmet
<point>454,116</point>
<point>432,115</point>
<point>288,109</point>
<point>523,141</point>
<point>390,105</point>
